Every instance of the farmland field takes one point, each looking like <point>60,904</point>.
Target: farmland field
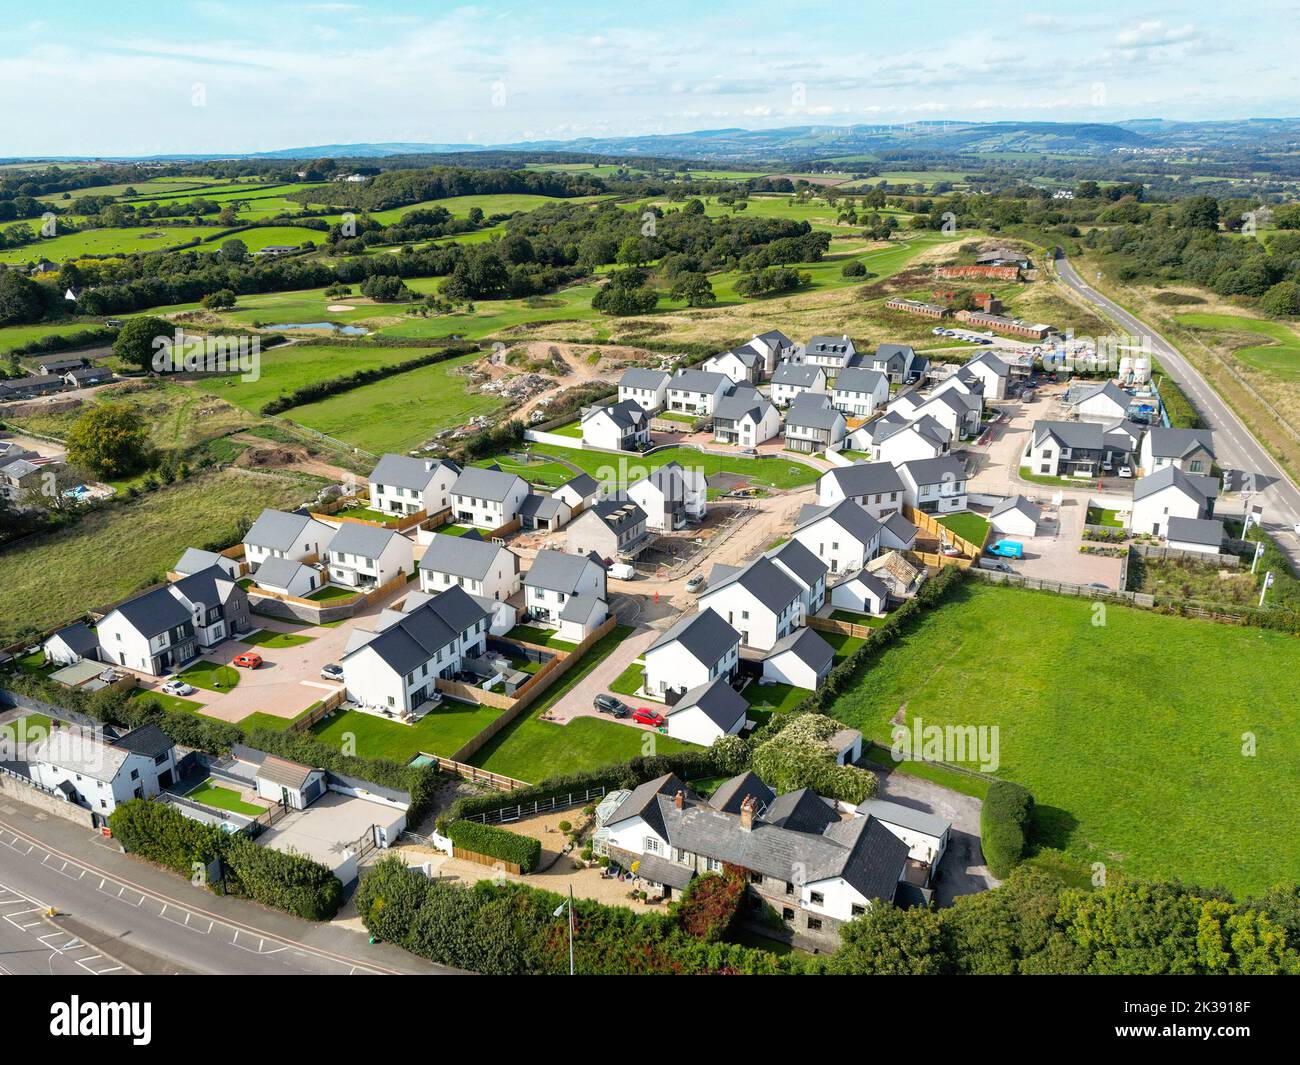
<point>109,242</point>
<point>16,336</point>
<point>1133,763</point>
<point>778,472</point>
<point>1277,353</point>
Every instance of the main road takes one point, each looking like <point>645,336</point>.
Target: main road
<point>1234,445</point>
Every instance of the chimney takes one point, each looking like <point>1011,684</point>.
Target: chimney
<point>677,799</point>
<point>747,814</point>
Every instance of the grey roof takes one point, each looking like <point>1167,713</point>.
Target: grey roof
<point>736,407</point>
<point>642,801</point>
<point>584,484</point>
<point>659,870</point>
<point>80,751</point>
<point>481,483</point>
<point>368,541</point>
<point>1175,443</point>
<point>801,811</point>
<point>639,377</point>
<point>404,471</point>
<point>628,414</point>
<point>719,702</point>
<point>936,471</point>
<point>1167,476</point>
<point>731,793</point>
<point>871,582</point>
<point>20,468</point>
<point>860,379</point>
<point>617,514</point>
<point>194,560</point>
<point>277,529</point>
<point>79,638</point>
<point>828,345</point>
<point>892,813</point>
<point>747,356</point>
<point>453,554</point>
<point>798,374</point>
<point>416,637</point>
<point>848,515</point>
<point>557,571</point>
<point>284,772</point>
<point>705,636</point>
<point>536,506</point>
<point>59,363</point>
<point>1020,503</point>
<point>764,580</point>
<point>897,357</point>
<point>992,362</point>
<point>148,740</point>
<point>700,381</point>
<point>865,478</point>
<point>1109,389</point>
<point>1196,531</point>
<point>815,400</point>
<point>91,373</point>
<point>814,416</point>
<point>579,608</point>
<point>209,587</point>
<point>279,572</point>
<point>775,335</point>
<point>795,557</point>
<point>1086,436</point>
<point>154,612</point>
<point>808,647</point>
<point>900,526</point>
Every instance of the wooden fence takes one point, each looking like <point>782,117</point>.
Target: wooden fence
<point>937,531</point>
<point>484,859</point>
<point>317,713</point>
<point>940,560</point>
<point>843,628</point>
<point>474,774</point>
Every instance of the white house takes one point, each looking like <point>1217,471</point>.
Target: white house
<point>275,534</point>
<point>1105,402</point>
<point>646,387</point>
<point>579,493</point>
<point>1016,516</point>
<point>400,484</point>
<point>897,533</point>
<point>760,601</point>
<point>365,556</point>
<point>935,485</point>
<point>876,486</point>
<point>195,561</point>
<point>740,364</point>
<point>860,392</point>
<point>545,512</point>
<point>1203,535</point>
<point>1067,449</point>
<point>896,439</point>
<point>481,568</point>
<point>844,535</point>
<point>812,424</point>
<point>611,529</point>
<point>555,578</point>
<point>958,412</point>
<point>993,372</point>
<point>396,666</point>
<point>287,577</point>
<point>1170,493</point>
<point>925,834</point>
<point>707,713</point>
<point>791,379</point>
<point>291,784</point>
<point>899,362</point>
<point>696,391</point>
<point>622,426</point>
<point>671,495</point>
<point>774,346</point>
<point>806,570</point>
<point>862,593</point>
<point>96,771</point>
<point>218,606</point>
<point>487,497</point>
<point>71,645</point>
<point>152,633</point>
<point>698,648</point>
<point>1191,450</point>
<point>802,659</point>
<point>745,418</point>
<point>832,354</point>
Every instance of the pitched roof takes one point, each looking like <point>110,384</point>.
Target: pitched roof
<point>283,772</point>
<point>737,406</point>
<point>535,505</point>
<point>617,514</point>
<point>747,356</point>
<point>892,813</point>
<point>801,811</point>
<point>1082,393</point>
<point>852,517</point>
<point>557,571</point>
<point>901,527</point>
<point>762,579</point>
<point>828,345</point>
<point>1196,531</point>
<point>580,608</point>
<point>194,560</point>
<point>813,415</point>
<point>278,529</point>
<point>368,541</point>
<point>453,554</point>
<point>699,381</point>
<point>896,356</point>
<point>481,483</point>
<point>860,379</point>
<point>80,751</point>
<point>992,362</point>
<point>1019,503</point>
<point>414,638</point>
<point>78,638</point>
<point>404,471</point>
<point>797,374</point>
<point>155,612</point>
<point>802,563</point>
<point>1087,436</point>
<point>1172,476</point>
<point>718,700</point>
<point>209,587</point>
<point>584,485</point>
<point>871,582</point>
<point>639,377</point>
<point>936,471</point>
<point>642,802</point>
<point>279,572</point>
<point>864,478</point>
<point>627,414</point>
<point>705,636</point>
<point>731,793</point>
<point>148,740</point>
<point>813,651</point>
<point>1175,443</point>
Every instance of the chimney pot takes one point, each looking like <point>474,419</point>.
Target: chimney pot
<point>747,813</point>
<point>677,800</point>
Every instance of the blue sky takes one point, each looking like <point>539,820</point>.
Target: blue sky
<point>228,75</point>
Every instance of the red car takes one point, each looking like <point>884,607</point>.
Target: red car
<point>249,660</point>
<point>649,717</point>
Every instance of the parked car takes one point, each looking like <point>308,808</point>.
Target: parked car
<point>176,686</point>
<point>607,704</point>
<point>249,660</point>
<point>331,671</point>
<point>644,716</point>
<point>695,583</point>
<point>1126,471</point>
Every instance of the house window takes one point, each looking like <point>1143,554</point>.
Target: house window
<point>816,898</point>
<point>714,865</point>
<point>857,910</point>
<point>650,845</point>
<point>789,888</point>
<point>787,914</point>
<point>755,878</point>
<point>814,924</point>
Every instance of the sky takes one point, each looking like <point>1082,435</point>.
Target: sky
<point>84,77</point>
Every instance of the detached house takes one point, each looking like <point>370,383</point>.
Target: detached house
<point>760,601</point>
<point>1191,450</point>
<point>894,438</point>
<point>671,495</point>
<point>286,577</point>
<point>649,388</point>
<point>958,412</point>
<point>487,498</point>
<point>812,424</point>
<point>745,418</point>
<point>218,606</point>
<point>400,484</point>
<point>739,365</point>
<point>935,486</point>
<point>275,534</point>
<point>194,560</point>
<point>696,391</point>
<point>152,633</point>
<point>697,649</point>
<point>860,392</point>
<point>876,486</point>
<point>899,362</point>
<point>707,713</point>
<point>832,354</point>
<point>364,556</point>
<point>1077,449</point>
<point>611,529</point>
<point>622,426</point>
<point>774,346</point>
<point>71,645</point>
<point>1170,493</point>
<point>1105,402</point>
<point>1016,516</point>
<point>556,579</point>
<point>993,373</point>
<point>579,493</point>
<point>806,570</point>
<point>802,659</point>
<point>481,568</point>
<point>96,771</point>
<point>844,536</point>
<point>791,379</point>
<point>545,512</point>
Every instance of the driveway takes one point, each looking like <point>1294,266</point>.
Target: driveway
<point>1054,554</point>
<point>578,701</point>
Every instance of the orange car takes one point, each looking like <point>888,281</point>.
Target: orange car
<point>249,660</point>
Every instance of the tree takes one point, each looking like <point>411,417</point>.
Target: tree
<point>21,301</point>
<point>234,250</point>
<point>110,439</point>
<point>1198,212</point>
<point>695,290</point>
<point>135,343</point>
<point>1282,300</point>
<point>853,268</point>
<point>887,941</point>
<point>221,300</point>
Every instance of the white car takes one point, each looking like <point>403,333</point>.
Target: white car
<point>176,686</point>
<point>1126,471</point>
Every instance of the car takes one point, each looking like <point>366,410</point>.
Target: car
<point>695,583</point>
<point>249,660</point>
<point>607,704</point>
<point>176,686</point>
<point>645,716</point>
<point>1296,528</point>
<point>1098,584</point>
<point>331,671</point>
<point>1126,471</point>
<point>936,331</point>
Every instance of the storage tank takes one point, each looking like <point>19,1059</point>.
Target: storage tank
<point>1142,369</point>
<point>1126,369</point>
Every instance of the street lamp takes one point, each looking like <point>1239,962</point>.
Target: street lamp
<point>556,913</point>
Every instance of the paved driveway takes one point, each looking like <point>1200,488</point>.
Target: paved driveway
<point>578,701</point>
<point>1054,554</point>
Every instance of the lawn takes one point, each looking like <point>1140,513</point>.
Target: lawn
<point>110,242</point>
<point>442,731</point>
<point>174,703</point>
<point>532,750</point>
<point>1101,516</point>
<point>455,530</point>
<point>630,680</point>
<point>542,637</point>
<point>1132,763</point>
<point>331,591</point>
<point>215,795</point>
<point>843,645</point>
<point>548,475</point>
<point>271,638</point>
<point>211,676</point>
<point>257,719</point>
<point>768,699</point>
<point>364,514</point>
<point>780,473</point>
<point>1280,354</point>
<point>854,618</point>
<point>968,526</point>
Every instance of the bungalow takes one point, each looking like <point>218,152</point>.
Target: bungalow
<point>396,667</point>
<point>743,364</point>
<point>96,771</point>
<point>803,659</point>
<point>698,648</point>
<point>613,528</point>
<point>899,362</point>
<point>858,391</point>
<point>88,376</point>
<point>1016,516</point>
<point>218,606</point>
<point>152,633</point>
<point>481,568</point>
<point>400,484</point>
<point>35,385</point>
<point>1191,450</point>
<point>832,354</point>
<point>806,570</point>
<point>487,497</point>
<point>671,495</point>
<point>812,424</point>
<point>1105,402</point>
<point>579,493</point>
<point>876,486</point>
<point>622,426</point>
<point>1202,535</point>
<point>745,418</point>
<point>1170,493</point>
<point>696,391</point>
<point>993,372</point>
<point>276,534</point>
<point>862,593</point>
<point>555,578</point>
<point>792,378</point>
<point>59,364</point>
<point>646,387</point>
<point>546,513</point>
<point>843,535</point>
<point>195,561</point>
<point>364,556</point>
<point>71,645</point>
<point>287,577</point>
<point>760,601</point>
<point>935,485</point>
<point>707,713</point>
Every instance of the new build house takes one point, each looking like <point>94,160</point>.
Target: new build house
<point>745,418</point>
<point>71,645</point>
<point>698,648</point>
<point>646,387</point>
<point>286,577</point>
<point>671,496</point>
<point>859,392</point>
<point>792,379</point>
<point>812,424</point>
<point>579,493</point>
<point>194,560</point>
<point>1202,535</point>
<point>774,346</point>
<point>555,579</point>
<point>843,535</point>
<point>707,713</point>
<point>218,606</point>
<point>97,771</point>
<point>1170,493</point>
<point>481,568</point>
<point>899,362</point>
<point>152,633</point>
<point>276,534</point>
<point>743,364</point>
<point>1077,449</point>
<point>622,426</point>
<point>1105,402</point>
<point>832,354</point>
<point>487,497</point>
<point>992,372</point>
<point>935,486</point>
<point>958,412</point>
<point>876,486</point>
<point>365,556</point>
<point>1016,516</point>
<point>696,391</point>
<point>760,601</point>
<point>895,438</point>
<point>400,484</point>
<point>611,529</point>
<point>806,570</point>
<point>1191,450</point>
<point>802,659</point>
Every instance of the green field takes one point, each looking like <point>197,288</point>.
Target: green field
<point>273,639</point>
<point>17,336</point>
<point>109,242</point>
<point>1280,355</point>
<point>777,472</point>
<point>443,731</point>
<point>1133,763</point>
<point>262,236</point>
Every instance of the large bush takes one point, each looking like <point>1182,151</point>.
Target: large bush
<point>523,851</point>
<point>289,882</point>
<point>1004,826</point>
<point>798,757</point>
<point>710,905</point>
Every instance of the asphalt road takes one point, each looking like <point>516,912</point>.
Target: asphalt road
<point>1235,447</point>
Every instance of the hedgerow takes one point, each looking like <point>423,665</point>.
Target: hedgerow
<point>523,851</point>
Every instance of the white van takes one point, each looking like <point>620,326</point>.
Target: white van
<point>621,571</point>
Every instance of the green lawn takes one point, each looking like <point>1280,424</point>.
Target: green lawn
<point>548,475</point>
<point>363,513</point>
<point>442,731</point>
<point>1280,354</point>
<point>257,719</point>
<point>271,638</point>
<point>532,750</point>
<point>780,473</point>
<point>1133,763</point>
<point>173,703</point>
<point>211,676</point>
<point>1101,516</point>
<point>223,798</point>
<point>1027,474</point>
<point>110,242</point>
<point>331,591</point>
<point>768,699</point>
<point>542,637</point>
<point>843,645</point>
<point>968,526</point>
<point>454,530</point>
<point>854,618</point>
<point>630,680</point>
